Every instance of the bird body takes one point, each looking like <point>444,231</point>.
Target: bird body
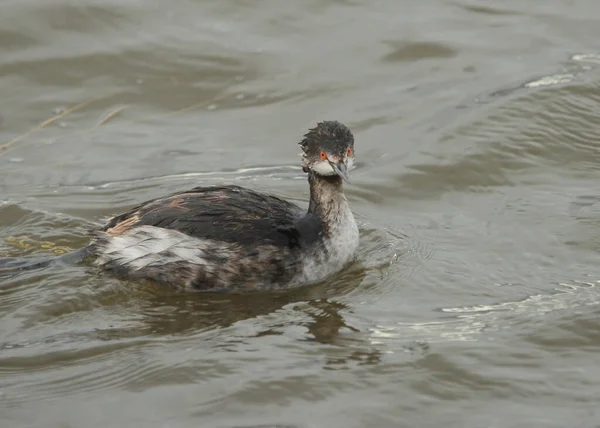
<point>231,238</point>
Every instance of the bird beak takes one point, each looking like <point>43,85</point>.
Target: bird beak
<point>341,169</point>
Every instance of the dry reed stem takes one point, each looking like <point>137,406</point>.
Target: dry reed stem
<point>42,125</point>
<point>4,149</point>
<point>108,116</point>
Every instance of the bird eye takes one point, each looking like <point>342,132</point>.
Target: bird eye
<point>323,155</point>
<point>349,152</point>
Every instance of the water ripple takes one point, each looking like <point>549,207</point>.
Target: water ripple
<point>486,322</point>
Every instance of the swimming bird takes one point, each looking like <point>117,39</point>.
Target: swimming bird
<point>233,239</point>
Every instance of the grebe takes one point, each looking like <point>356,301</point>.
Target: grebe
<point>230,238</point>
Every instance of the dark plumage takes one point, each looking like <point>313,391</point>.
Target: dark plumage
<point>232,238</point>
<point>225,213</point>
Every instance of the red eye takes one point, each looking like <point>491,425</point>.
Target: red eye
<point>323,155</point>
<point>349,152</point>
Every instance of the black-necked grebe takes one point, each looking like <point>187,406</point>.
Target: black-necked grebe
<point>230,238</point>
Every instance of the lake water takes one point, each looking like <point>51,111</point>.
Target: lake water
<point>474,301</point>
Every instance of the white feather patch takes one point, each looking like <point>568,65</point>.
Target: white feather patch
<point>323,168</point>
<point>145,245</point>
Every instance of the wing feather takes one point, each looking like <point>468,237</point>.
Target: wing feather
<point>223,213</point>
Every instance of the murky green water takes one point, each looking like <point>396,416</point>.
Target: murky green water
<point>474,302</point>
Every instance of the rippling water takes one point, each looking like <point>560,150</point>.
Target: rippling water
<point>474,301</point>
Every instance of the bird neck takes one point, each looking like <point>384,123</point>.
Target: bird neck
<point>327,198</point>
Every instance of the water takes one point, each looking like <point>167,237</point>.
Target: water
<point>474,301</point>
